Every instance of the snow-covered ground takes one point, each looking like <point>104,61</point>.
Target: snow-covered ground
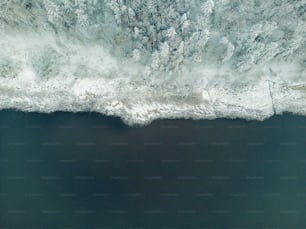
<point>143,60</point>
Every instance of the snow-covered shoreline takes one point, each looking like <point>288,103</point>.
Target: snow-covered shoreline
<point>122,90</point>
<point>145,60</point>
<point>250,104</point>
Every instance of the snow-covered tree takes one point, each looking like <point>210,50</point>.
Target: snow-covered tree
<point>169,35</point>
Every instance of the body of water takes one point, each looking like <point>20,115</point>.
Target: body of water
<point>85,170</point>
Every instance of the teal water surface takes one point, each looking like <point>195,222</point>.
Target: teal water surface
<point>85,170</point>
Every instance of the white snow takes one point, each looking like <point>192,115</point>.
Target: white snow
<point>181,65</point>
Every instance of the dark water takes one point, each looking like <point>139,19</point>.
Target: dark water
<point>85,170</point>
